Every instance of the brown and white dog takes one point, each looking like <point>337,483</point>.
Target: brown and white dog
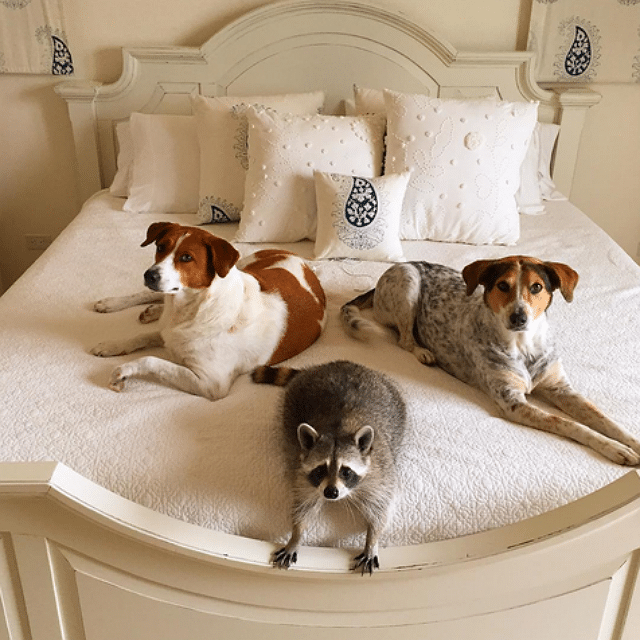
<point>499,341</point>
<point>221,317</point>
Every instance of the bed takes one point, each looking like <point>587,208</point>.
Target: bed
<point>153,514</point>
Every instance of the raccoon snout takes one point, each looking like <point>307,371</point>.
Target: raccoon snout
<point>331,493</point>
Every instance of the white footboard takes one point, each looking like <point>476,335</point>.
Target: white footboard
<point>78,562</point>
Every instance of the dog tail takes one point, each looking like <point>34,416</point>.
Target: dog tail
<point>280,376</point>
<point>355,324</point>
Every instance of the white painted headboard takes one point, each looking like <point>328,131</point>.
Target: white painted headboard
<point>304,45</point>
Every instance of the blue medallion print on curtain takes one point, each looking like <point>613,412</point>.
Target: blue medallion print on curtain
<point>361,207</point>
<point>579,56</point>
<point>62,64</point>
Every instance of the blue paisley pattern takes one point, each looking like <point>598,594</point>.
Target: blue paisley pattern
<point>361,207</point>
<point>62,64</point>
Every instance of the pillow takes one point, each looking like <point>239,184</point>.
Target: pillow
<point>166,164</point>
<point>465,158</point>
<point>284,151</point>
<point>359,217</point>
<point>222,133</point>
<point>547,135</point>
<point>120,185</point>
<point>529,195</point>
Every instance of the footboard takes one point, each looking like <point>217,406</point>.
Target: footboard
<point>77,561</point>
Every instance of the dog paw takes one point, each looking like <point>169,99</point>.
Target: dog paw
<point>104,306</point>
<point>107,350</point>
<point>283,559</point>
<point>119,376</point>
<point>620,454</point>
<point>424,356</point>
<point>365,563</point>
<point>151,313</point>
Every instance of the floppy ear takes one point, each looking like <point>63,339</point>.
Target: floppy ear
<point>562,277</point>
<point>307,436</point>
<point>364,439</point>
<point>473,274</point>
<point>223,255</point>
<point>157,230</point>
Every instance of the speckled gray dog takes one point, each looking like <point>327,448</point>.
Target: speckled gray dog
<point>499,342</point>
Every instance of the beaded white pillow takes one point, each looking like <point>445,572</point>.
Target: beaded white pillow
<point>222,134</point>
<point>359,217</point>
<point>284,151</point>
<point>465,158</point>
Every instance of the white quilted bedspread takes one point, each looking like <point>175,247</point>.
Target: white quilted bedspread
<point>219,464</point>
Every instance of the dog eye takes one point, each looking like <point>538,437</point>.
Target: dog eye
<point>503,286</point>
<point>185,257</point>
<point>160,247</point>
<point>536,288</point>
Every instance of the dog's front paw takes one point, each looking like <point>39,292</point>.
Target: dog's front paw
<point>620,454</point>
<point>151,313</point>
<point>366,563</point>
<point>106,305</point>
<point>108,349</point>
<point>283,559</point>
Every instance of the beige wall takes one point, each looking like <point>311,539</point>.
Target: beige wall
<point>37,184</point>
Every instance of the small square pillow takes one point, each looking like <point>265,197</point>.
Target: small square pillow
<point>284,151</point>
<point>465,158</point>
<point>165,171</point>
<point>124,163</point>
<point>359,217</point>
<point>222,132</point>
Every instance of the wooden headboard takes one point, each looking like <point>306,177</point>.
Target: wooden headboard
<point>303,45</point>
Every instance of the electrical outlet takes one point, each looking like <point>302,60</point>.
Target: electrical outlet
<point>37,242</point>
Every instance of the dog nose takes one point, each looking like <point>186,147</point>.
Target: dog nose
<point>151,278</point>
<point>518,318</point>
<point>331,493</point>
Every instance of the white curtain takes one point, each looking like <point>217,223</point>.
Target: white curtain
<point>32,38</point>
<point>586,40</point>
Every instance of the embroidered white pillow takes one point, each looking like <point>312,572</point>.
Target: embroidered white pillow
<point>465,158</point>
<point>166,164</point>
<point>359,217</point>
<point>284,151</point>
<point>124,163</point>
<point>222,133</point>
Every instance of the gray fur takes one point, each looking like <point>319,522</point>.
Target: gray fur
<point>339,400</point>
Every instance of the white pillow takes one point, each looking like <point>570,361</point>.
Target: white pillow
<point>547,135</point>
<point>124,163</point>
<point>166,164</point>
<point>284,151</point>
<point>222,133</point>
<point>465,158</point>
<point>359,217</point>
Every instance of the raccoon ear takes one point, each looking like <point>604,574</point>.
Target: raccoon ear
<point>307,436</point>
<point>364,439</point>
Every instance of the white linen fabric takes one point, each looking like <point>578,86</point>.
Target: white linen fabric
<point>220,464</point>
<point>222,137</point>
<point>124,162</point>
<point>166,164</point>
<point>359,217</point>
<point>284,151</point>
<point>465,158</point>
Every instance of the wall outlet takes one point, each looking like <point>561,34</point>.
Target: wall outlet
<point>37,242</point>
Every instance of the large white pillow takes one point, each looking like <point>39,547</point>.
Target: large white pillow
<point>465,158</point>
<point>166,164</point>
<point>359,217</point>
<point>124,162</point>
<point>284,151</point>
<point>222,133</point>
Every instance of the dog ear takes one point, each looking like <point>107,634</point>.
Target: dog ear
<point>157,230</point>
<point>223,255</point>
<point>562,277</point>
<point>473,274</point>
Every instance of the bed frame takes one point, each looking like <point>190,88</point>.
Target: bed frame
<point>78,562</point>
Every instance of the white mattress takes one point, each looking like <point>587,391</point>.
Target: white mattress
<point>219,464</point>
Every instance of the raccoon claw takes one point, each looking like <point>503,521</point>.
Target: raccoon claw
<point>283,559</point>
<point>366,563</point>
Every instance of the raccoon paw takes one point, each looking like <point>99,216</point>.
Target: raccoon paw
<point>283,559</point>
<point>365,563</point>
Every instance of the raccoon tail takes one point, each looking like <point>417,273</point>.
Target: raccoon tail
<point>280,376</point>
<point>358,326</point>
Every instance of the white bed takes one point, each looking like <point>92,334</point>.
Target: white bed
<point>153,514</point>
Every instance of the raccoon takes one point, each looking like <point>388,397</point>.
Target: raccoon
<point>343,425</point>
